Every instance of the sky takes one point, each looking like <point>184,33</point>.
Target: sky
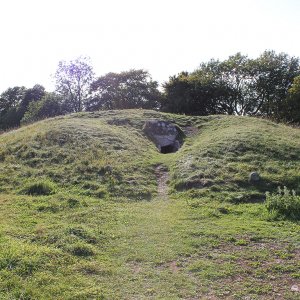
<point>163,37</point>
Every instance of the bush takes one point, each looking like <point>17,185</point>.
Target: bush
<point>283,204</point>
<point>44,187</point>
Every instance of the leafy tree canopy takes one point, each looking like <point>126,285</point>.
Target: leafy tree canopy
<point>238,85</point>
<point>73,81</point>
<point>291,107</point>
<point>130,89</point>
<point>14,103</point>
<point>50,105</point>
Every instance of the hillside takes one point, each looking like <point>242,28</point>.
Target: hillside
<point>90,209</point>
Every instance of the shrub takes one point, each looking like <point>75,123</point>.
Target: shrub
<point>42,187</point>
<point>283,204</point>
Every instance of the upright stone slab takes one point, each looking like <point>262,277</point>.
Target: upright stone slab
<point>164,134</point>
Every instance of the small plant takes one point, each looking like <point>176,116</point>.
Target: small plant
<point>42,187</point>
<point>283,204</point>
<point>241,242</point>
<point>100,193</point>
<point>73,202</point>
<point>81,249</point>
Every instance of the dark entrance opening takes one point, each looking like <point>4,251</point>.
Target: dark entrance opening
<point>167,149</point>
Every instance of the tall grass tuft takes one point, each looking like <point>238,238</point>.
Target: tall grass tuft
<point>41,187</point>
<point>284,204</point>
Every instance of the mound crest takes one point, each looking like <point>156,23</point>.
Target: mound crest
<point>115,153</point>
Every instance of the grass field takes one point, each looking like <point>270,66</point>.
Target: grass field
<point>91,210</point>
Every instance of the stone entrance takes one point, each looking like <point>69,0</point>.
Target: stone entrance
<point>165,135</point>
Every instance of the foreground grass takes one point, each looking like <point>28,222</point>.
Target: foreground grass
<point>103,231</point>
<point>160,249</point>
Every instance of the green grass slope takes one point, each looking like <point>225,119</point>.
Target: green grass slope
<point>87,214</point>
<point>227,149</point>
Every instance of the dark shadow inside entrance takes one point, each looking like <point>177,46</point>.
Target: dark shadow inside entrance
<point>167,149</point>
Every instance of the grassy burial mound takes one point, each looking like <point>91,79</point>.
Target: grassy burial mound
<point>90,209</point>
<point>227,149</point>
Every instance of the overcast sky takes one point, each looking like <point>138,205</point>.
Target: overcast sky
<point>164,37</point>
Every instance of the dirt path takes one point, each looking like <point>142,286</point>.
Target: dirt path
<point>162,176</point>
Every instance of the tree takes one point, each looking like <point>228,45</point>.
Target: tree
<point>131,89</point>
<point>235,76</point>
<point>177,94</point>
<point>50,105</point>
<point>190,94</point>
<point>11,98</point>
<point>36,93</point>
<point>73,81</point>
<point>212,89</point>
<point>224,84</point>
<point>291,107</point>
<point>14,102</point>
<point>10,101</point>
<point>238,85</point>
<point>272,76</point>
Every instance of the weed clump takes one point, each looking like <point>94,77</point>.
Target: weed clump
<point>81,249</point>
<point>284,204</point>
<point>73,202</point>
<point>42,187</point>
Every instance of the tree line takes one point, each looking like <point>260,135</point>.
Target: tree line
<point>266,86</point>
